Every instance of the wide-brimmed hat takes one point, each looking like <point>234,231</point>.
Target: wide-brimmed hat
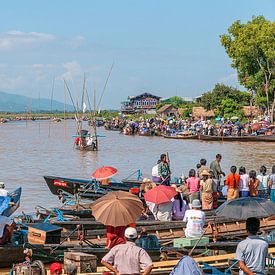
<point>205,173</point>
<point>146,180</point>
<point>196,204</point>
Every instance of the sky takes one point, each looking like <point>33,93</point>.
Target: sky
<point>162,47</point>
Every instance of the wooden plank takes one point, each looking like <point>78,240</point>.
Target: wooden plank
<point>207,259</point>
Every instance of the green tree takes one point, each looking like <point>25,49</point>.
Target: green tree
<point>251,49</point>
<point>229,108</point>
<point>212,100</point>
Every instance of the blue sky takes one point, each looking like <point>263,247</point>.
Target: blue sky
<point>163,47</point>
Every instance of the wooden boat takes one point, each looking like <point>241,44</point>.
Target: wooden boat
<point>112,128</point>
<point>259,138</point>
<point>85,187</point>
<point>13,202</point>
<point>3,120</point>
<point>180,136</point>
<point>85,148</point>
<point>218,229</point>
<point>56,119</point>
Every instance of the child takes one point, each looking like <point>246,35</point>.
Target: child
<point>233,181</point>
<point>272,184</point>
<point>253,184</point>
<point>263,183</point>
<point>244,182</point>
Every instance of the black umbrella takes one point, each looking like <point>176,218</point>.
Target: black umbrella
<point>243,208</point>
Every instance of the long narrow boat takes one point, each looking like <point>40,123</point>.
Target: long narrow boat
<point>180,136</point>
<point>85,187</point>
<point>260,138</point>
<point>10,204</point>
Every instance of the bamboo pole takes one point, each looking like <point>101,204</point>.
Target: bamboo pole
<point>94,122</point>
<point>49,134</point>
<point>65,122</point>
<point>38,113</point>
<point>105,85</point>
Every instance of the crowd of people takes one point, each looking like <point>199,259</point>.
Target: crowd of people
<point>207,184</point>
<point>173,125</point>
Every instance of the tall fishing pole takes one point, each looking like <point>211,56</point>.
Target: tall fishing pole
<point>65,123</point>
<point>39,113</point>
<point>51,107</point>
<point>94,122</point>
<point>70,94</point>
<point>83,91</point>
<point>105,85</point>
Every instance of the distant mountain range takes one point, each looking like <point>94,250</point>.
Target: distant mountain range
<point>18,103</point>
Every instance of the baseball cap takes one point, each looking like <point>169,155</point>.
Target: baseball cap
<point>130,233</point>
<point>56,267</point>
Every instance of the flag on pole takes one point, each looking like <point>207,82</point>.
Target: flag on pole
<point>84,107</point>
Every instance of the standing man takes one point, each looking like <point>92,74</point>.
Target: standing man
<point>216,168</point>
<point>128,258</point>
<point>164,170</point>
<point>252,251</point>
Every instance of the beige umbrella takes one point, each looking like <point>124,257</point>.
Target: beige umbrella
<point>117,208</point>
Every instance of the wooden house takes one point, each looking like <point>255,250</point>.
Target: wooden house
<point>168,110</point>
<point>143,103</point>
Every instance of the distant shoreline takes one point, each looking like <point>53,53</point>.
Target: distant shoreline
<point>6,117</point>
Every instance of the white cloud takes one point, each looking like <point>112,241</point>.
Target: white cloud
<point>77,42</point>
<point>73,69</point>
<point>38,66</point>
<point>13,39</point>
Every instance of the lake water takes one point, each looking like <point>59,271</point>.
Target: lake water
<point>30,150</point>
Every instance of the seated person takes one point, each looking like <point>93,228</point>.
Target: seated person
<point>7,226</point>
<point>195,219</point>
<point>186,265</point>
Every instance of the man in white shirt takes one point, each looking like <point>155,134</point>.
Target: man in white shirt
<point>195,219</point>
<point>155,173</point>
<point>3,191</point>
<point>128,258</point>
<point>252,251</point>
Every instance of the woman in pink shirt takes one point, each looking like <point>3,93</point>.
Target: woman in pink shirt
<point>193,184</point>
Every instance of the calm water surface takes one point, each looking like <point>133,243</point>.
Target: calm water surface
<point>29,151</point>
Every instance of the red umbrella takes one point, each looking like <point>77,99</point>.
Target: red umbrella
<point>160,194</point>
<point>104,172</point>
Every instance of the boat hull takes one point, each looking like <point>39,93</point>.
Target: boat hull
<point>14,203</point>
<point>83,186</point>
<point>267,138</point>
<point>181,137</point>
<point>85,148</point>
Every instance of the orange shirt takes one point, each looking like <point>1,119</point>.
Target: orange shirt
<point>253,187</point>
<point>232,181</point>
